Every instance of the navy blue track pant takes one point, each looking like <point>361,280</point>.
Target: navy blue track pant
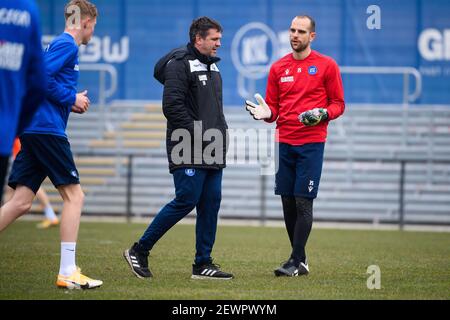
<point>194,188</point>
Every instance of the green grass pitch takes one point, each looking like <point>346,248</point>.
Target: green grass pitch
<point>414,265</point>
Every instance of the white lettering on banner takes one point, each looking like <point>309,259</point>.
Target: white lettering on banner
<point>434,45</point>
<point>430,71</point>
<point>15,17</point>
<point>118,53</point>
<point>101,49</point>
<point>92,52</point>
<point>11,55</point>
<point>111,53</point>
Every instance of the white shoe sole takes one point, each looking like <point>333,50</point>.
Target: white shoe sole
<point>196,277</point>
<point>284,273</point>
<point>72,285</point>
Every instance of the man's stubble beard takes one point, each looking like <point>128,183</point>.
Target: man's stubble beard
<point>301,48</point>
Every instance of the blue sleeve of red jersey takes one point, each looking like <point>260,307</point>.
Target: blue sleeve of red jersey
<point>57,56</point>
<point>36,80</point>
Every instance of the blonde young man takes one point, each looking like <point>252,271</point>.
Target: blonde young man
<point>45,147</point>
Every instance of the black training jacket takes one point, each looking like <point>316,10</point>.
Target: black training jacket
<point>192,92</point>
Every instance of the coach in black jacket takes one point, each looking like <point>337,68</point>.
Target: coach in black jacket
<point>192,101</point>
<point>196,147</point>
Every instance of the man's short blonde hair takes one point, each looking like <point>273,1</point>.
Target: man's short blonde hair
<point>87,9</point>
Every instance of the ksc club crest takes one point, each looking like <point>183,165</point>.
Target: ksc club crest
<point>254,49</point>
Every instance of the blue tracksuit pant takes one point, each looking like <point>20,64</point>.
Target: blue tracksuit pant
<point>194,188</point>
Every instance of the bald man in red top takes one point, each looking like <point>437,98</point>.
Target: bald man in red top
<point>304,92</point>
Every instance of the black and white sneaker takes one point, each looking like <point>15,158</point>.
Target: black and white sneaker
<point>138,261</point>
<point>209,271</point>
<point>303,269</point>
<point>289,269</point>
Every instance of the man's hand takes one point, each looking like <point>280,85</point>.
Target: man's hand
<point>313,117</point>
<point>258,111</point>
<point>82,103</point>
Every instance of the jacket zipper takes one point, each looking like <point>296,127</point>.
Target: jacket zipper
<point>214,91</point>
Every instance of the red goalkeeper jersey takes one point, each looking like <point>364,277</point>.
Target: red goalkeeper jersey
<point>295,86</point>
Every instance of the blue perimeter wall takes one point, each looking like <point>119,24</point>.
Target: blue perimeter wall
<point>132,35</point>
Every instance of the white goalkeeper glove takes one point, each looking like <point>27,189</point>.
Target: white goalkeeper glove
<point>258,111</point>
<point>313,117</point>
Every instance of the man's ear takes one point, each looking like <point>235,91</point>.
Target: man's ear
<point>85,22</point>
<point>313,36</point>
<point>198,38</point>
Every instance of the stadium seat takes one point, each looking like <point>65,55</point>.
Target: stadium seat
<point>357,184</point>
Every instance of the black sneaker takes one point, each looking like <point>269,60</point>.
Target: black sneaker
<point>138,261</point>
<point>289,269</point>
<point>209,271</point>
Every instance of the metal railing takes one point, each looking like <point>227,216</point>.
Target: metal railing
<point>403,162</point>
<point>263,184</point>
<point>405,71</point>
<point>104,92</point>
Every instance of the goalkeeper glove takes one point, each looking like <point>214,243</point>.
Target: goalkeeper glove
<point>258,111</point>
<point>313,117</point>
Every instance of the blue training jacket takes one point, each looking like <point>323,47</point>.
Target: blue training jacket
<point>61,66</point>
<point>22,75</point>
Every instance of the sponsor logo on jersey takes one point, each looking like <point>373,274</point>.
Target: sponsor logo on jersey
<point>15,17</point>
<point>287,79</point>
<point>76,68</point>
<point>196,66</point>
<point>11,55</point>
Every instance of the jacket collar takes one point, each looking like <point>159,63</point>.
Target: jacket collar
<point>203,58</point>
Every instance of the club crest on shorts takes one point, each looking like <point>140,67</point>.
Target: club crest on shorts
<point>189,172</point>
<point>74,173</point>
<point>311,185</point>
